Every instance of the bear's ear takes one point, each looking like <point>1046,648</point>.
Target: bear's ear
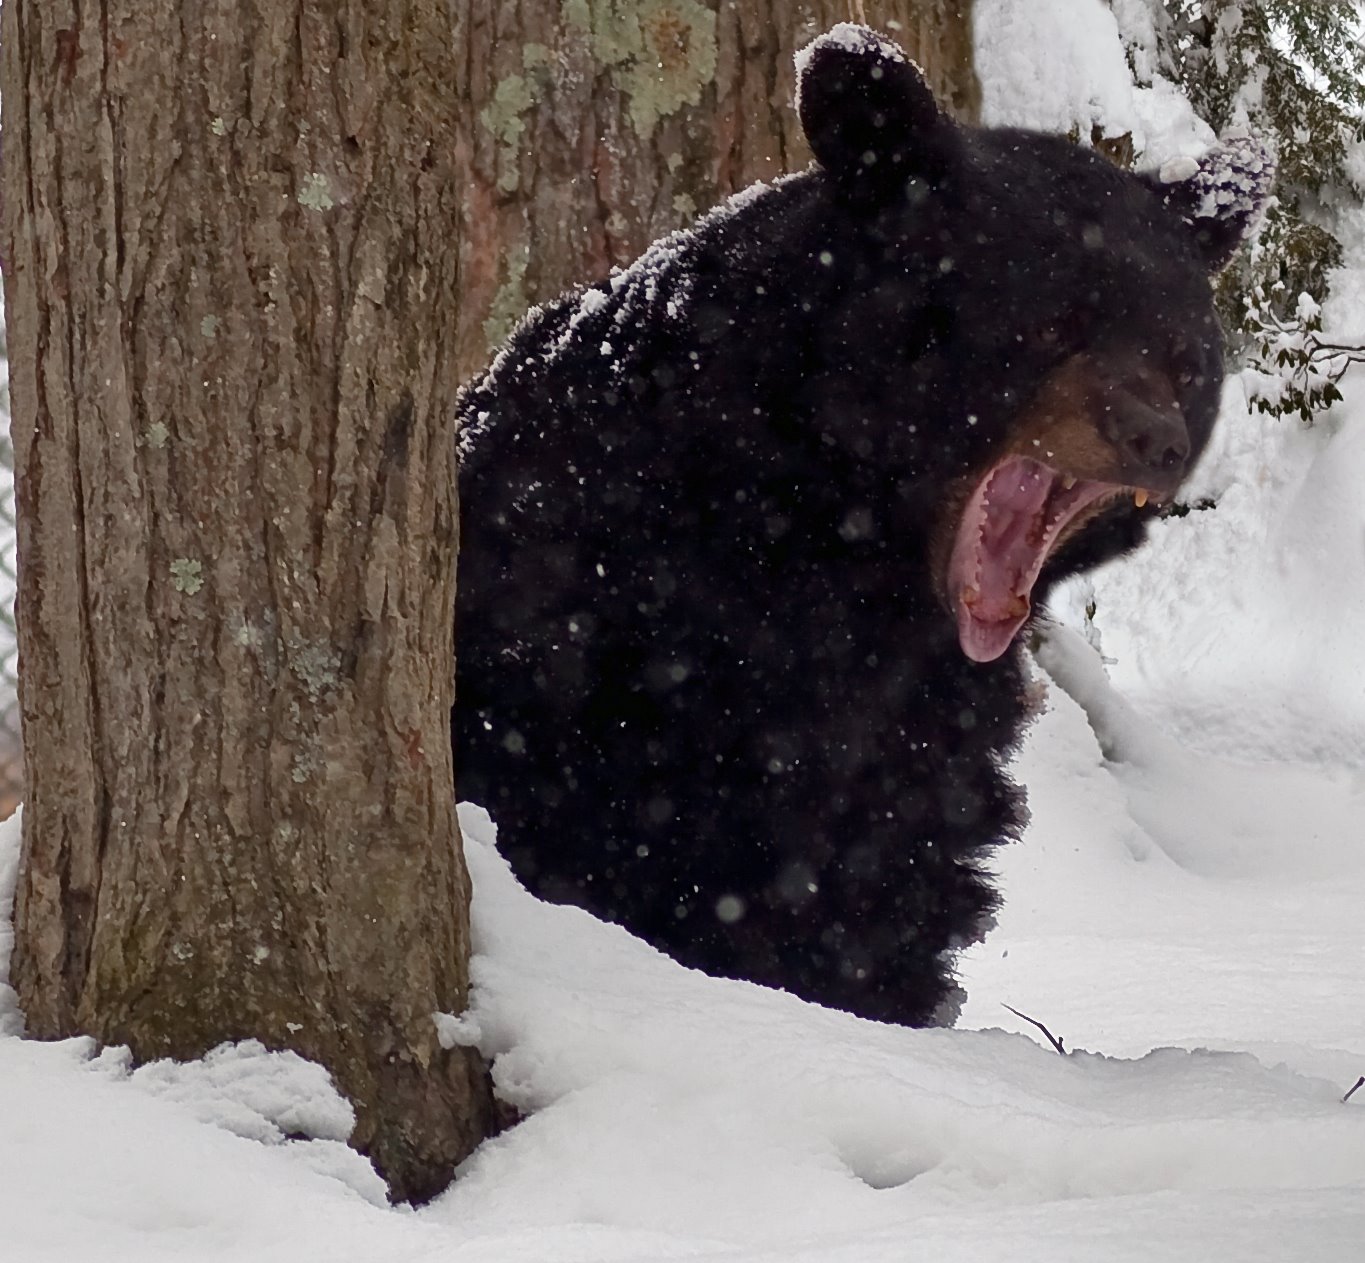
<point>1221,197</point>
<point>868,114</point>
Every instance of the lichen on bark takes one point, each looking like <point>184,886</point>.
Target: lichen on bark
<point>627,118</point>
<point>662,53</point>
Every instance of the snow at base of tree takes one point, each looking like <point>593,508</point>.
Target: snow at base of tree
<point>1185,908</point>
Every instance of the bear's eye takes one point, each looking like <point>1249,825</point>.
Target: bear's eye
<point>1047,337</point>
<point>1186,369</point>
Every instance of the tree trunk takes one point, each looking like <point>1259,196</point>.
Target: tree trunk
<point>231,280</point>
<point>593,127</point>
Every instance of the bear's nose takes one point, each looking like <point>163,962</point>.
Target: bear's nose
<point>1149,440</point>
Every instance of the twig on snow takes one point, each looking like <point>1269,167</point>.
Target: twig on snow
<point>1051,1038</point>
<point>1359,1083</point>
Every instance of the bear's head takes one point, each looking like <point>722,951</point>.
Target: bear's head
<point>1047,314</point>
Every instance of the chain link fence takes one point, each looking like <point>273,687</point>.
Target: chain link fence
<point>11,749</point>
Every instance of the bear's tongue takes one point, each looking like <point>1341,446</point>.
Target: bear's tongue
<point>1008,527</point>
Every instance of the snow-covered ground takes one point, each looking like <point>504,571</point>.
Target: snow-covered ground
<point>1188,908</point>
<point>1189,915</point>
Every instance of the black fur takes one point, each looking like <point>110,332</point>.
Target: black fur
<point>706,684</point>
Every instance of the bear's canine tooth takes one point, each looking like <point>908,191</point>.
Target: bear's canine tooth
<point>1139,497</point>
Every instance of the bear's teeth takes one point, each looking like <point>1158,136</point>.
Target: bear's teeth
<point>1018,605</point>
<point>1068,482</point>
<point>1139,497</point>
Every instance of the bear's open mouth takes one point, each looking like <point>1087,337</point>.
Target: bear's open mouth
<point>1011,523</point>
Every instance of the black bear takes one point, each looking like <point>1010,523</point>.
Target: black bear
<point>750,529</point>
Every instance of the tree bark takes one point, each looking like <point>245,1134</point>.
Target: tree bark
<point>231,281</point>
<point>593,127</point>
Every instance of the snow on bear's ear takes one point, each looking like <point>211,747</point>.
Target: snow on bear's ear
<point>1221,196</point>
<point>868,114</point>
